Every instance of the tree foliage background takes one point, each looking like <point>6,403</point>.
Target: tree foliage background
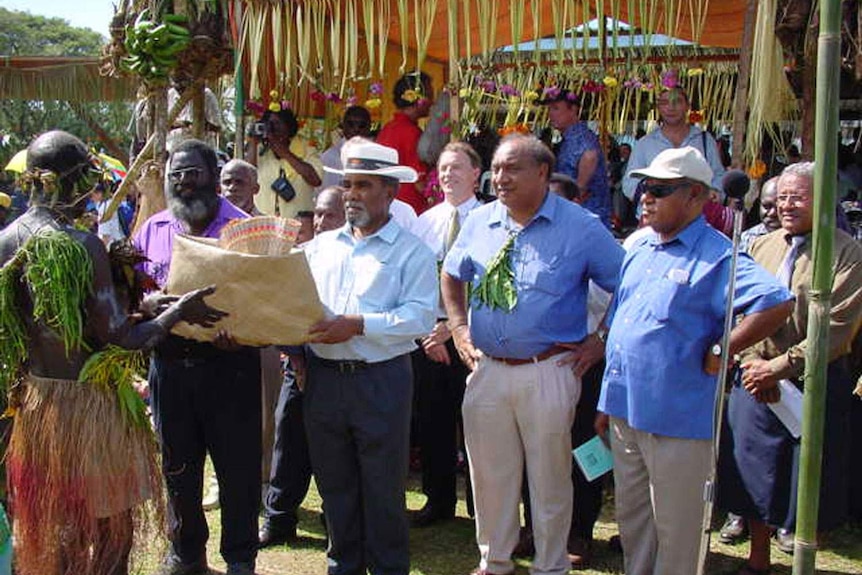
<point>25,34</point>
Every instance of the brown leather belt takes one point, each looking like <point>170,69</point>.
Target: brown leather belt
<point>550,352</point>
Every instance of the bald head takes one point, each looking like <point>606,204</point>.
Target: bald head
<point>239,184</point>
<point>329,209</point>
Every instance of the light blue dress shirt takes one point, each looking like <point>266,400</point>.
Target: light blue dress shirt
<point>651,145</point>
<point>668,311</point>
<point>390,278</point>
<point>555,255</point>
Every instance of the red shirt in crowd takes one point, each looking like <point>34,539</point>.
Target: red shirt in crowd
<point>403,134</point>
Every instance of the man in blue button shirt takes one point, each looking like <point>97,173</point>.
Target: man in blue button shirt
<point>379,286</point>
<point>662,358</point>
<point>526,353</point>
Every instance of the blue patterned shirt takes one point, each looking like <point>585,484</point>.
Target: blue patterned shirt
<point>577,139</point>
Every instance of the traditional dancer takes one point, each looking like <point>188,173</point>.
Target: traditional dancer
<point>81,457</point>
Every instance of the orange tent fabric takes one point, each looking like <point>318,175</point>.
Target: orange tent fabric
<point>724,23</point>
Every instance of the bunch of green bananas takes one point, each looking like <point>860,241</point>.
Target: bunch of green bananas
<point>153,47</point>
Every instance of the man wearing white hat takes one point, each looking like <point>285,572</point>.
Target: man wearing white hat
<point>662,356</point>
<point>379,286</point>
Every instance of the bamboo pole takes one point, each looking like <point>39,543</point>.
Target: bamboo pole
<point>239,94</point>
<point>454,69</point>
<point>740,103</point>
<point>817,354</point>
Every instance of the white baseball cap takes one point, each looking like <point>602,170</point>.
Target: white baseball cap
<point>676,163</point>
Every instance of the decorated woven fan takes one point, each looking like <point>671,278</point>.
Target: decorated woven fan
<point>263,235</point>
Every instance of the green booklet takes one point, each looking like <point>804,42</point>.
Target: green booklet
<point>594,458</point>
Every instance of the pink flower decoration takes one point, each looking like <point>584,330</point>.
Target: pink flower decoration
<point>551,92</point>
<point>255,107</point>
<point>509,90</point>
<point>375,89</point>
<point>488,86</point>
<point>669,79</point>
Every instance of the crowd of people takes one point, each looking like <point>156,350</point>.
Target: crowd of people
<point>512,328</point>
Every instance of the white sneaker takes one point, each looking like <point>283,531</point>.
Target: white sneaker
<point>211,501</point>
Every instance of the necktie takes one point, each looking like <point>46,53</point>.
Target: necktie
<point>785,272</point>
<point>452,230</point>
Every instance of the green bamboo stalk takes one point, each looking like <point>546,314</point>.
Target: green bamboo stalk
<point>816,357</point>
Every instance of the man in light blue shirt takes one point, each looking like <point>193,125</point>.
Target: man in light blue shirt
<point>378,284</point>
<point>674,132</point>
<point>662,356</point>
<point>527,329</point>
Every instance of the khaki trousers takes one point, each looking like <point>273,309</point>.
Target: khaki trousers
<point>659,499</point>
<point>513,414</point>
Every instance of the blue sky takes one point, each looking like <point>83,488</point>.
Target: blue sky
<point>93,14</point>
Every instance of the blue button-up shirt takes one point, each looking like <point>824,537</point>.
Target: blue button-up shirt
<point>390,278</point>
<point>669,311</point>
<point>577,139</point>
<point>555,255</point>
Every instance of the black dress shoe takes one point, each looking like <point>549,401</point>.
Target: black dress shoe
<point>173,565</point>
<point>734,530</point>
<point>271,534</point>
<point>428,516</point>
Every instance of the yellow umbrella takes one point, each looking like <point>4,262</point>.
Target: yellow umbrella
<point>18,163</point>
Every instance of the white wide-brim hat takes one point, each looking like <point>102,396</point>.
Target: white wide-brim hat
<point>361,156</point>
<point>676,163</point>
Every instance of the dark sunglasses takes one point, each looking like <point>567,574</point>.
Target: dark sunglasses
<point>660,190</point>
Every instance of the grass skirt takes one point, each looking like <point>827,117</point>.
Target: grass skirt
<point>79,477</point>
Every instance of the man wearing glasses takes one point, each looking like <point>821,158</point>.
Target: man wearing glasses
<point>205,396</point>
<point>756,479</point>
<point>662,356</point>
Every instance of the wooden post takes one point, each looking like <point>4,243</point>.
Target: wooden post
<point>740,105</point>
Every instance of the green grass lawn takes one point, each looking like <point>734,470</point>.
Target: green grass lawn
<point>449,549</point>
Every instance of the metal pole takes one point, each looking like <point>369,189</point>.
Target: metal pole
<point>817,334</point>
<point>718,406</point>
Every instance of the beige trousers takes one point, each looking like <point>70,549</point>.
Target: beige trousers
<point>514,414</point>
<point>659,499</point>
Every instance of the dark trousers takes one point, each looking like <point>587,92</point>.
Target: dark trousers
<point>291,464</point>
<point>210,405</point>
<point>587,502</point>
<point>440,392</point>
<point>358,423</point>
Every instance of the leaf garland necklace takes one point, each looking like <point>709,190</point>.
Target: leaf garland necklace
<point>497,288</point>
<point>59,274</point>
